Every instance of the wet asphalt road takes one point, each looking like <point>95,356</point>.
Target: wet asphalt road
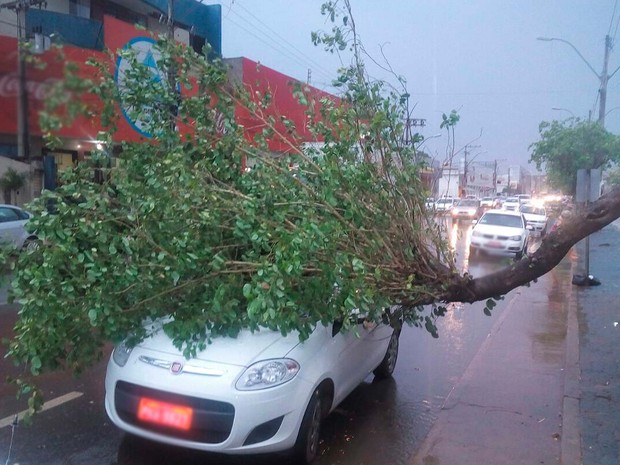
<point>379,423</point>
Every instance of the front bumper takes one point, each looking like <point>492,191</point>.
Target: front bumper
<point>497,246</point>
<point>225,420</point>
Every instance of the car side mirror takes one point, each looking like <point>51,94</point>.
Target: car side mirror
<point>336,327</point>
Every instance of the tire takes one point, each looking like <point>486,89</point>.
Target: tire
<point>31,244</point>
<point>306,449</point>
<point>387,365</point>
<point>519,255</point>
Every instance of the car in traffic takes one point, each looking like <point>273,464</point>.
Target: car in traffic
<point>511,204</point>
<point>259,392</point>
<point>429,203</point>
<point>500,232</point>
<point>489,202</point>
<point>466,209</point>
<point>524,198</point>
<point>13,230</point>
<point>444,205</point>
<point>536,217</point>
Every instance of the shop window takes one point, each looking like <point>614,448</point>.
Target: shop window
<point>80,8</point>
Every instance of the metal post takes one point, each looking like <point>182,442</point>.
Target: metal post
<point>23,133</point>
<point>587,241</point>
<point>604,77</point>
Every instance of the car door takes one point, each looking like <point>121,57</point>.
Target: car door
<point>12,226</point>
<point>359,351</point>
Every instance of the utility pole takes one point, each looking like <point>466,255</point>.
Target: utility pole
<point>172,70</point>
<point>23,134</point>
<point>466,164</point>
<point>603,78</point>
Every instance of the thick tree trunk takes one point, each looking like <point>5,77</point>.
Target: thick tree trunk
<point>553,248</point>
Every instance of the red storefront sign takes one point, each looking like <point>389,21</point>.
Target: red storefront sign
<point>118,35</point>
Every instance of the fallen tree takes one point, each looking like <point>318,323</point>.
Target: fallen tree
<point>176,227</point>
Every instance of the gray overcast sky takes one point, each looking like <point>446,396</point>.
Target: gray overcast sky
<point>479,57</point>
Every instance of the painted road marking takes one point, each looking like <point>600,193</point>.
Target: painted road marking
<point>4,422</point>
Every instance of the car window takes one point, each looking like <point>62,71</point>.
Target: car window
<point>8,214</point>
<point>468,203</point>
<point>498,219</point>
<point>532,209</point>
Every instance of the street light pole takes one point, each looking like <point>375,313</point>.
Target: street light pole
<point>603,78</point>
<point>564,109</point>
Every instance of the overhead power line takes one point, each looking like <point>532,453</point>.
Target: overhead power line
<point>272,39</point>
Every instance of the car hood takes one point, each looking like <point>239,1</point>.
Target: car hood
<point>242,350</point>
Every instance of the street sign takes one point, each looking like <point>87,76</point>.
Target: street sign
<point>588,185</point>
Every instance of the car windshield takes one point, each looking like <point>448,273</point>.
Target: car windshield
<point>468,203</point>
<point>533,210</point>
<point>511,200</point>
<point>445,201</point>
<point>499,219</point>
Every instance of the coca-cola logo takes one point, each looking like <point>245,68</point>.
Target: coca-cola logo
<point>37,90</point>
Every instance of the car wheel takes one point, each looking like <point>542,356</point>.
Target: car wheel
<point>386,367</point>
<point>519,255</point>
<point>306,448</point>
<point>31,244</point>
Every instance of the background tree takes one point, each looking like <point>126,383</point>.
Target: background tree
<point>177,230</point>
<point>11,181</point>
<point>567,146</point>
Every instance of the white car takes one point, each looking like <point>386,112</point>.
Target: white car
<point>489,202</point>
<point>13,232</point>
<point>258,392</point>
<point>535,217</point>
<point>511,204</point>
<point>466,209</point>
<point>445,204</point>
<point>500,232</point>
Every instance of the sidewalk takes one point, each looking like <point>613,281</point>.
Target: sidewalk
<point>599,350</point>
<point>518,401</point>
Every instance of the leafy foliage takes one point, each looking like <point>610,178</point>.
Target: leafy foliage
<point>175,228</point>
<point>567,146</point>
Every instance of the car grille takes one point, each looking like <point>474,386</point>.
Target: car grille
<point>495,237</point>
<point>212,420</point>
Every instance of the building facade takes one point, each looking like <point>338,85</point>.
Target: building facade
<point>86,29</point>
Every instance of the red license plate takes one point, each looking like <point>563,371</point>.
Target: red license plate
<point>165,414</point>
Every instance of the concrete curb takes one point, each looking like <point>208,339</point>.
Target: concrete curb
<point>518,400</point>
<point>570,447</point>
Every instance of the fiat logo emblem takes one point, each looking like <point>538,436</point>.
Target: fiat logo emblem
<point>176,368</point>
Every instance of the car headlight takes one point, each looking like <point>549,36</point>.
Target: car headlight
<point>515,238</point>
<point>267,374</point>
<point>121,353</point>
<point>476,234</point>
